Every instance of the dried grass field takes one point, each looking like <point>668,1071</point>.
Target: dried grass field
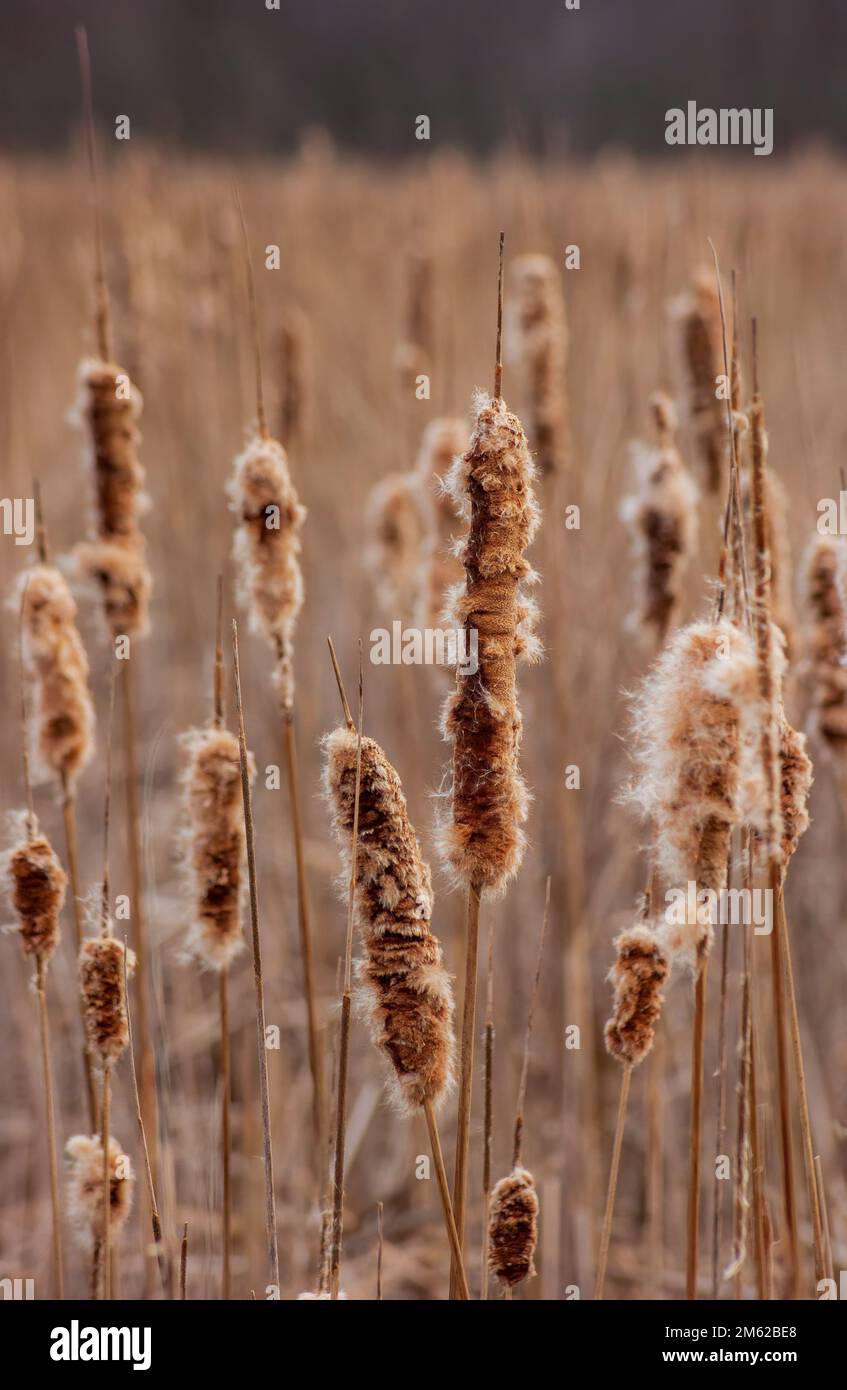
<point>387,273</point>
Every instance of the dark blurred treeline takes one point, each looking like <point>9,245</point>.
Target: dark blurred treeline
<point>231,75</point>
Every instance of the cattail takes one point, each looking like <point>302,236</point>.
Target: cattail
<point>779,551</point>
<point>55,655</point>
<point>101,980</point>
<point>85,1186</point>
<point>827,643</point>
<point>125,582</point>
<point>267,551</point>
<point>795,782</point>
<point>215,817</point>
<point>697,730</point>
<point>513,1227</point>
<point>111,407</point>
<point>662,513</point>
<point>492,486</point>
<point>537,333</point>
<point>406,991</point>
<point>295,351</point>
<point>413,355</point>
<point>37,884</point>
<point>640,971</point>
<point>443,440</point>
<point>696,317</point>
<point>396,526</point>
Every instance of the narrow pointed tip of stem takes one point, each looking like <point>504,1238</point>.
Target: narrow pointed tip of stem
<point>348,718</point>
<point>498,362</point>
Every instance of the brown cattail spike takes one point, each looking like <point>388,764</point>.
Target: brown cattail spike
<point>513,1228</point>
<point>537,336</point>
<point>215,816</point>
<point>493,486</point>
<point>406,990</point>
<point>639,974</point>
<point>85,1186</point>
<point>101,979</point>
<point>37,886</point>
<point>56,659</point>
<point>267,552</point>
<point>696,315</point>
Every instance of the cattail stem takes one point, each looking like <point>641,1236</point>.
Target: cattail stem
<point>488,1120</point>
<point>226,1139</point>
<point>823,1207</point>
<point>606,1233</point>
<point>697,1049</point>
<point>183,1261</point>
<point>654,1164</point>
<point>463,1123</point>
<point>788,1188</point>
<point>346,1007</point>
<point>147,1069</point>
<point>47,1070</point>
<point>379,1250</point>
<point>304,921</point>
<point>800,1076</point>
<point>155,1220</point>
<point>69,819</point>
<point>106,1248</point>
<point>444,1189</point>
<point>720,1124</point>
<point>270,1197</point>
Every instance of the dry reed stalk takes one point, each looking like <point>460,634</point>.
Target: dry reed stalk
<point>488,1114</point>
<point>270,587</point>
<point>414,354</point>
<point>662,513</point>
<point>155,1220</point>
<point>333,1269</point>
<point>36,885</point>
<point>247,799</point>
<point>110,406</point>
<point>826,639</point>
<point>695,315</point>
<point>183,1262</point>
<point>513,1219</point>
<point>822,1203</point>
<point>405,991</point>
<point>56,660</point>
<point>483,842</point>
<point>296,370</point>
<point>536,329</point>
<point>640,972</point>
<point>379,1250</point>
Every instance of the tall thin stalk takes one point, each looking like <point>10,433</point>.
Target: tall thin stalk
<point>247,795</point>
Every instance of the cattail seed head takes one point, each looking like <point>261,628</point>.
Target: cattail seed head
<point>796,781</point>
<point>697,320</point>
<point>662,514</point>
<point>56,658</point>
<point>443,440</point>
<point>267,551</point>
<point>537,332</point>
<point>639,974</point>
<point>513,1228</point>
<point>36,884</point>
<point>696,728</point>
<point>101,981</point>
<point>827,642</point>
<point>120,569</point>
<point>492,485</point>
<point>215,816</point>
<point>396,524</point>
<point>85,1186</point>
<point>406,992</point>
<point>111,407</point>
